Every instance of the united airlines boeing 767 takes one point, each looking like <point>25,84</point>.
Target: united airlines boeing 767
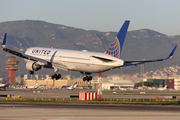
<point>84,61</point>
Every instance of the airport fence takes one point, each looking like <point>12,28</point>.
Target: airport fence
<point>135,101</point>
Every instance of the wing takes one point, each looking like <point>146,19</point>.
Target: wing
<point>42,61</point>
<point>138,62</point>
<point>12,51</point>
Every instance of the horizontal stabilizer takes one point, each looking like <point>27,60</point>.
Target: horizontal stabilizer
<point>102,59</point>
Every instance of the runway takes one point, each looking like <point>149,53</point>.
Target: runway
<point>47,111</point>
<point>20,111</point>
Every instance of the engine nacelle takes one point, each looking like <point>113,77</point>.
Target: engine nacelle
<point>32,66</point>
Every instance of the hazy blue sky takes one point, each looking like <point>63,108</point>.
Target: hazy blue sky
<point>103,15</point>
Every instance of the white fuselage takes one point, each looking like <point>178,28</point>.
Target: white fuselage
<point>2,85</point>
<point>82,61</point>
<point>30,87</point>
<point>164,88</point>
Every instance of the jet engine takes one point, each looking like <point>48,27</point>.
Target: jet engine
<point>32,66</point>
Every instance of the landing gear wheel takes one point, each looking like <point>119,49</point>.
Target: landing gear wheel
<point>90,77</point>
<point>84,79</point>
<point>31,72</point>
<point>56,76</point>
<point>52,77</point>
<point>59,76</point>
<point>87,78</point>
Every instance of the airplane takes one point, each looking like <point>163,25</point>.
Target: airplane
<point>4,86</point>
<point>85,62</point>
<point>32,87</point>
<point>70,87</point>
<point>149,88</point>
<point>162,89</point>
<point>121,88</point>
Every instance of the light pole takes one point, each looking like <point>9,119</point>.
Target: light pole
<point>121,73</point>
<point>142,72</point>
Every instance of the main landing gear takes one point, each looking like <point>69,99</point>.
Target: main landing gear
<point>56,76</point>
<point>88,78</point>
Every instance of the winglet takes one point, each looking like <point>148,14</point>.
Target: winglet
<point>171,54</point>
<point>4,41</point>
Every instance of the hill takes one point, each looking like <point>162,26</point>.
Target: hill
<point>139,44</point>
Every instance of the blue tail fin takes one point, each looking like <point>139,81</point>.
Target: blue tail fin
<point>116,46</point>
<point>7,84</point>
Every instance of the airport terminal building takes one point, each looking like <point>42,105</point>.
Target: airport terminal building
<point>106,84</point>
<point>171,83</point>
<point>117,84</point>
<point>49,83</point>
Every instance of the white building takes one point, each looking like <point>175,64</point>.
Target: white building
<point>117,84</point>
<point>177,84</point>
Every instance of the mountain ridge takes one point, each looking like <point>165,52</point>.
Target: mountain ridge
<point>139,44</point>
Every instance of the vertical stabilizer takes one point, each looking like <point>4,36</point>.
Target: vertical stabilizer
<point>7,83</point>
<point>116,46</point>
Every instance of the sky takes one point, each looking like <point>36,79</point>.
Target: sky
<point>103,15</point>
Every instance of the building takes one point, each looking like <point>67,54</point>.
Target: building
<point>113,84</point>
<point>49,83</point>
<point>19,80</point>
<point>171,83</point>
<point>177,84</point>
<point>162,82</point>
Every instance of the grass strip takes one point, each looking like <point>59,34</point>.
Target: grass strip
<point>126,101</point>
